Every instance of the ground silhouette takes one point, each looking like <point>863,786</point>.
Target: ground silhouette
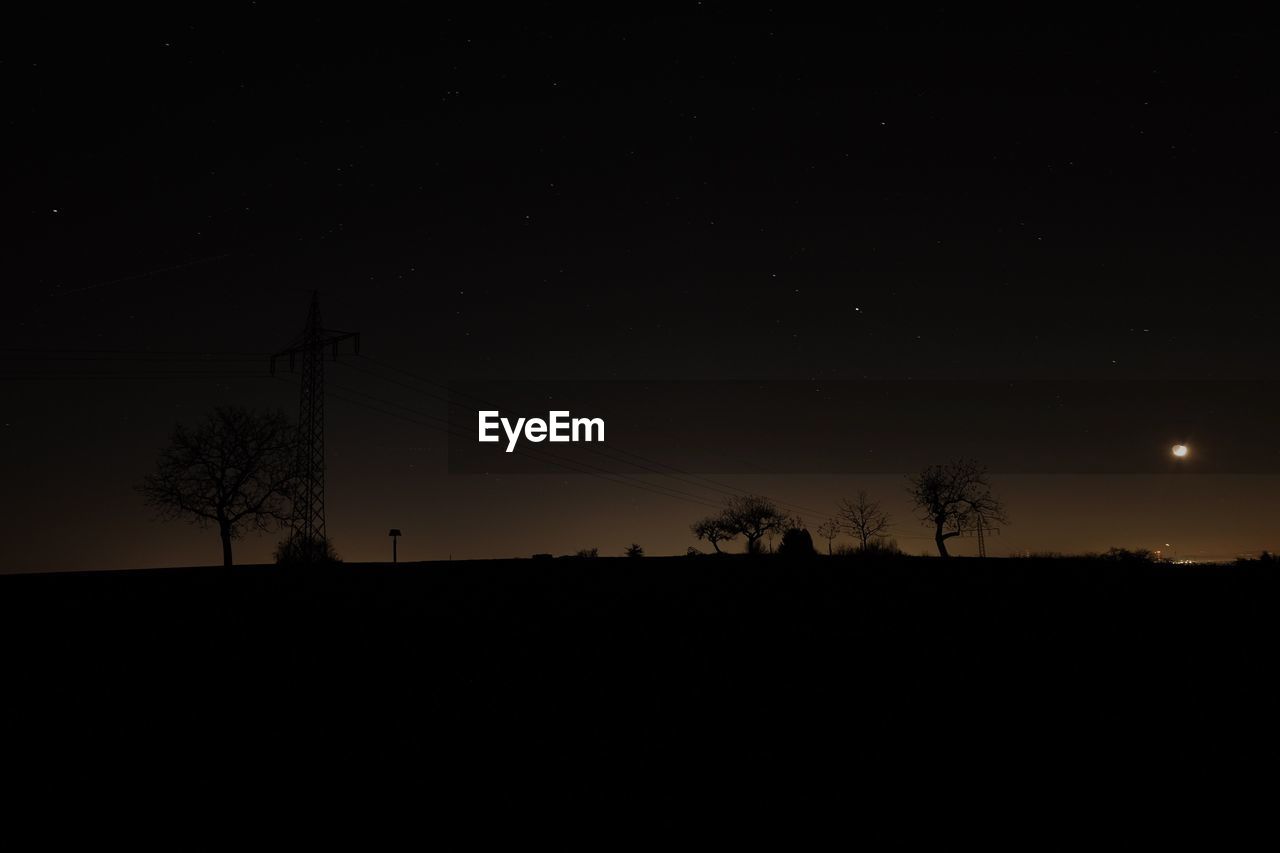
<point>728,681</point>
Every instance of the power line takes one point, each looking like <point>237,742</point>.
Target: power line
<point>135,358</point>
<point>596,450</point>
<point>543,457</point>
<point>147,274</point>
<point>215,370</point>
<point>129,378</point>
<point>684,476</point>
<point>527,452</point>
<point>343,392</point>
<point>20,364</point>
<point>130,361</point>
<point>704,501</point>
<point>217,354</point>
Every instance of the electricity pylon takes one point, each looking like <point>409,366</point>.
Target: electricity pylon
<point>307,531</point>
<point>980,529</point>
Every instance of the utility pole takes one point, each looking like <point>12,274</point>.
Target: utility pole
<point>307,533</point>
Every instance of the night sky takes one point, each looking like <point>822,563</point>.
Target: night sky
<point>699,192</point>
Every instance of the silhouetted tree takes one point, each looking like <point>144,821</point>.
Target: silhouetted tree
<point>864,518</point>
<point>235,469</point>
<point>634,550</point>
<point>588,553</point>
<point>952,497</point>
<point>796,542</point>
<point>829,530</point>
<point>713,529</point>
<point>754,517</point>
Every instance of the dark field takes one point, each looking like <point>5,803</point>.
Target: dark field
<point>573,687</point>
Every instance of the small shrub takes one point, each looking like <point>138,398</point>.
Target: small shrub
<point>797,542</point>
<point>296,551</point>
<point>881,548</point>
<point>1124,555</point>
<point>876,548</point>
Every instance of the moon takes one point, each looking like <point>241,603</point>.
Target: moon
<point>1180,450</point>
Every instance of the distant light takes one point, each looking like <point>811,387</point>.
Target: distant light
<point>1180,450</point>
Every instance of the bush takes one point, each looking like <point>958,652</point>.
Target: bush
<point>1124,555</point>
<point>588,553</point>
<point>297,551</point>
<point>634,550</point>
<point>876,548</point>
<point>881,548</point>
<point>797,542</point>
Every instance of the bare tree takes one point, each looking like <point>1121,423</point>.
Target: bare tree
<point>864,518</point>
<point>235,469</point>
<point>754,517</point>
<point>713,529</point>
<point>829,530</point>
<point>953,497</point>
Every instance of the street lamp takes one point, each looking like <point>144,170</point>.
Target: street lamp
<point>394,534</point>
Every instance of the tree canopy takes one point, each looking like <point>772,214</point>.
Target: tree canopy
<point>234,469</point>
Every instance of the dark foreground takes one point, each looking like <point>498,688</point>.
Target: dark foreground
<point>570,688</point>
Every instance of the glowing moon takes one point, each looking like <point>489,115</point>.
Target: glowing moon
<point>1179,450</point>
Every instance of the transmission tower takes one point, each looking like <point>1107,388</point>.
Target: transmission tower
<point>307,532</point>
<point>981,529</point>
